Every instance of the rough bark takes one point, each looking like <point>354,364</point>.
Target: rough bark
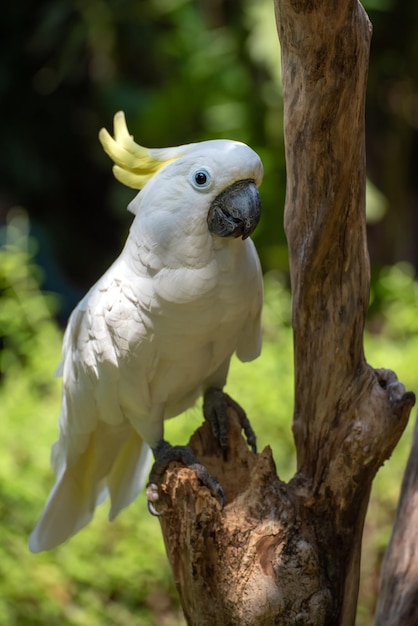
<point>289,553</point>
<point>398,596</point>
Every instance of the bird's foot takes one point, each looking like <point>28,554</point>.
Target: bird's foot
<point>164,454</point>
<point>215,411</point>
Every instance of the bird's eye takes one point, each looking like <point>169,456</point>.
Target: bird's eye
<point>201,178</point>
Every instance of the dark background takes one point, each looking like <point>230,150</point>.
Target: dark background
<point>182,71</point>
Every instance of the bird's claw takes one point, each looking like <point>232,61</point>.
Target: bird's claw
<point>215,407</point>
<point>164,454</point>
<point>152,496</point>
<point>209,481</point>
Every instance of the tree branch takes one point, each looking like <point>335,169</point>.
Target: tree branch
<point>397,602</point>
<point>248,564</point>
<point>289,553</point>
<point>347,417</point>
<point>325,60</point>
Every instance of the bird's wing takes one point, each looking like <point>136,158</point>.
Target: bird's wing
<point>249,342</point>
<point>99,450</point>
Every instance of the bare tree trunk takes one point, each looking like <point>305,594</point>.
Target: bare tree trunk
<point>398,597</point>
<point>289,553</point>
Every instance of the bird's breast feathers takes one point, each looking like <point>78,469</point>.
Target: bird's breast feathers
<point>176,324</point>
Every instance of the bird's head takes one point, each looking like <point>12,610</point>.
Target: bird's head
<point>212,183</point>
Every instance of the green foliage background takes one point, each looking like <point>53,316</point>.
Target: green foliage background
<point>183,71</point>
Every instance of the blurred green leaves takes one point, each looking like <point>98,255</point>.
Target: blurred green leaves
<point>182,71</point>
<point>26,326</point>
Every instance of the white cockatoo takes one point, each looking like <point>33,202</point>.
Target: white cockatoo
<point>159,328</point>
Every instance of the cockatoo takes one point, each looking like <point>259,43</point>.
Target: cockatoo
<point>158,329</point>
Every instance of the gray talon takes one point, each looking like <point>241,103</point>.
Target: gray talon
<point>164,454</point>
<point>215,411</point>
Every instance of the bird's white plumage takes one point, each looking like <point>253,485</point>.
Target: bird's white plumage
<point>151,335</point>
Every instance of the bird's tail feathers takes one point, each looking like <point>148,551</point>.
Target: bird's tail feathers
<point>110,464</point>
<point>128,475</point>
<point>68,509</point>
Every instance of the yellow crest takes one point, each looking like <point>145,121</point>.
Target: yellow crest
<point>134,164</point>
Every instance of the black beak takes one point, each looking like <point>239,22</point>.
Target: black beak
<point>236,211</point>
